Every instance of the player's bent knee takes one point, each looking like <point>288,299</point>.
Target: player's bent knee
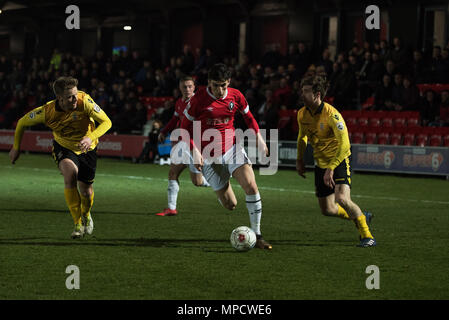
<point>197,182</point>
<point>343,201</point>
<point>230,206</point>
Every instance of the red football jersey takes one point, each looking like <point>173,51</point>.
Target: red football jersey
<point>214,113</point>
<point>178,115</point>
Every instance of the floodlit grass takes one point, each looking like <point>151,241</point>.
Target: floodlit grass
<point>134,254</point>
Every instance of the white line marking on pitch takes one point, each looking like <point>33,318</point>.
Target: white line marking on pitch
<point>261,187</point>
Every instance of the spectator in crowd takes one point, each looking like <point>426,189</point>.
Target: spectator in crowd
<point>444,109</point>
<point>399,55</point>
<point>383,95</point>
<point>326,62</point>
<point>397,91</point>
<point>429,108</point>
<point>117,79</point>
<point>410,95</point>
<point>441,67</point>
<point>345,88</point>
<point>419,67</point>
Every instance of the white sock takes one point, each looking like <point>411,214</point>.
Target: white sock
<point>172,191</point>
<point>254,206</point>
<point>205,183</point>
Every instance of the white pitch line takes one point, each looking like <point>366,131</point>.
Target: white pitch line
<point>261,187</point>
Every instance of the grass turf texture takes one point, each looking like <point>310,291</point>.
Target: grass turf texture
<point>134,254</point>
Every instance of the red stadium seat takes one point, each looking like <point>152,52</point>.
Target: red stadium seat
<point>370,135</point>
<point>396,137</point>
<point>413,118</point>
<point>383,135</point>
<point>445,133</point>
<point>409,135</point>
<point>374,118</point>
<point>422,136</point>
<point>386,120</point>
<point>350,116</point>
<point>357,136</point>
<point>436,137</point>
<point>399,120</point>
<point>362,120</point>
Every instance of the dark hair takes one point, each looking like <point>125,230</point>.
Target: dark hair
<point>63,83</point>
<point>219,72</point>
<point>319,84</point>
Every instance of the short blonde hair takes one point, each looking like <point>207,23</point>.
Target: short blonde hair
<point>63,83</point>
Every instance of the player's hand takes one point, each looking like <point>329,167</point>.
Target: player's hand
<point>329,178</point>
<point>161,137</point>
<point>14,155</point>
<point>262,145</point>
<point>85,144</point>
<point>197,159</point>
<point>301,168</point>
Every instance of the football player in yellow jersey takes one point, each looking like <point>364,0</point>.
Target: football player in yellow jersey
<point>321,125</point>
<point>71,117</point>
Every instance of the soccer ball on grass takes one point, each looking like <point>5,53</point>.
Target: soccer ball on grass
<point>243,238</point>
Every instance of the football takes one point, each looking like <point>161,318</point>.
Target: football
<point>243,238</point>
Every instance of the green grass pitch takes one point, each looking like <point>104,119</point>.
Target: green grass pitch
<point>134,254</point>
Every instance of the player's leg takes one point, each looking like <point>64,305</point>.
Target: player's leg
<point>343,198</point>
<point>172,189</point>
<point>330,208</point>
<point>326,196</point>
<point>244,175</point>
<point>87,202</point>
<point>226,197</point>
<point>86,176</point>
<point>197,177</point>
<point>68,165</point>
<point>72,197</point>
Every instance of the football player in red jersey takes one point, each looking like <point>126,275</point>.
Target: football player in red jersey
<point>187,88</point>
<point>213,109</point>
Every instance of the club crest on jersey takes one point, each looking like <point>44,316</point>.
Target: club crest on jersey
<point>97,108</point>
<point>231,105</point>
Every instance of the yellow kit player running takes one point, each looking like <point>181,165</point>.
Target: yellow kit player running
<point>321,125</point>
<point>72,118</point>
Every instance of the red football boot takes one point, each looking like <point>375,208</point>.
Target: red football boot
<point>167,212</point>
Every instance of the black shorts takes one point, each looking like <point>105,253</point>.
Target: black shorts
<point>342,175</point>
<point>86,162</point>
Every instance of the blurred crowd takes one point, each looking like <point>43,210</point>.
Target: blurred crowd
<point>386,74</point>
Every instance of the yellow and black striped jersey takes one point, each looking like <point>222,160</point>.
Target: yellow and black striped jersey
<point>326,131</point>
<point>68,127</point>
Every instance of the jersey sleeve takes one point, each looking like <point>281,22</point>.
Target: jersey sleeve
<point>187,122</point>
<point>170,124</point>
<point>338,126</point>
<point>302,139</point>
<point>247,115</point>
<point>96,113</point>
<point>32,118</point>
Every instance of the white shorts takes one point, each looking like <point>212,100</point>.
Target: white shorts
<point>219,170</point>
<point>181,154</point>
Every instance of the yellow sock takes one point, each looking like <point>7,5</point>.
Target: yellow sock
<point>342,213</point>
<point>360,223</point>
<point>86,205</point>
<point>72,198</point>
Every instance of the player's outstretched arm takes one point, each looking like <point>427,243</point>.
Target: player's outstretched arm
<point>34,117</point>
<point>262,144</point>
<point>301,168</point>
<point>14,155</point>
